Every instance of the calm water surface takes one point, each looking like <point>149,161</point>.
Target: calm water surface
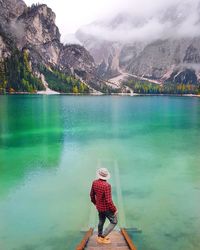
<point>51,146</point>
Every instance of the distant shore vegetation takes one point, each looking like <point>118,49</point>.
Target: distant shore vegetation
<point>16,75</point>
<point>63,83</point>
<point>144,87</point>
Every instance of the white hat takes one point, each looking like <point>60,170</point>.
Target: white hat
<point>103,174</point>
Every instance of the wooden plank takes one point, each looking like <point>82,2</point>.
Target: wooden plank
<point>128,239</point>
<point>120,240</point>
<point>84,241</point>
<point>117,242</point>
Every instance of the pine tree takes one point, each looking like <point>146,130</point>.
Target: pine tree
<point>3,81</point>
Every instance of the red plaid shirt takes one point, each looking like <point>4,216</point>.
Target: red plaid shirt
<point>100,195</point>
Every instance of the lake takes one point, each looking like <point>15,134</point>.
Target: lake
<point>51,146</point>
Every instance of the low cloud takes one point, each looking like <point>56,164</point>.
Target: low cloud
<point>71,39</point>
<point>194,66</point>
<point>143,20</point>
<point>17,29</point>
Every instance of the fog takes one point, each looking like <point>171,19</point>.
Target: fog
<point>17,28</point>
<point>71,15</point>
<point>145,20</point>
<point>126,20</point>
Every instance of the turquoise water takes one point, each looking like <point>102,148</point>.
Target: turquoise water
<point>51,146</point>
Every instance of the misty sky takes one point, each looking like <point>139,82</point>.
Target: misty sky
<point>73,14</point>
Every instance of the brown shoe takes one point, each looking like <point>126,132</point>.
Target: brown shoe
<point>106,237</point>
<point>102,240</point>
<point>106,241</point>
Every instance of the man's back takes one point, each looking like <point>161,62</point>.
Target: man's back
<point>101,196</point>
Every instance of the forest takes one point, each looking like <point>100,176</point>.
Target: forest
<point>63,83</point>
<point>16,75</point>
<point>144,87</point>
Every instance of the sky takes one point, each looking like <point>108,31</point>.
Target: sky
<point>73,14</point>
<point>150,20</point>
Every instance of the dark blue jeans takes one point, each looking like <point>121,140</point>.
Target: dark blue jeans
<point>102,218</point>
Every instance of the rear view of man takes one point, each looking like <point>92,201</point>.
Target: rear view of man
<point>101,197</point>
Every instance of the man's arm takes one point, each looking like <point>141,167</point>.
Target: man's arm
<point>108,198</point>
<point>92,195</point>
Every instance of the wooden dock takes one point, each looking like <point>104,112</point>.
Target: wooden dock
<point>120,240</point>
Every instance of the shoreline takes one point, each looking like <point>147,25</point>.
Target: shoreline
<point>103,94</point>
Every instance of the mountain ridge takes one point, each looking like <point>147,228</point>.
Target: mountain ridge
<point>32,57</point>
<point>30,39</point>
<point>157,56</point>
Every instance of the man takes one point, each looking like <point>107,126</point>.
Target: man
<point>100,195</point>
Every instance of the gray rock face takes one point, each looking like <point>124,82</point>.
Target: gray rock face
<point>79,61</point>
<point>159,58</point>
<point>103,52</point>
<point>39,33</point>
<point>34,28</point>
<point>185,76</point>
<point>156,59</point>
<point>39,25</point>
<point>10,9</point>
<point>4,50</point>
<point>192,53</point>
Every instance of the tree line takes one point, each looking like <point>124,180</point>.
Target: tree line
<point>143,87</point>
<point>16,74</point>
<point>63,83</point>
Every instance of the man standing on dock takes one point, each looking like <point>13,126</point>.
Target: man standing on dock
<point>101,197</point>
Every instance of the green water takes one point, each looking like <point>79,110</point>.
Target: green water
<point>51,146</point>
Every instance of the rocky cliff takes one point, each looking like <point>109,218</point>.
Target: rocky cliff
<point>130,44</point>
<point>30,43</point>
<point>33,58</point>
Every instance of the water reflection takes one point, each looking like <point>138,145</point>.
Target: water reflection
<point>50,148</point>
<point>30,137</point>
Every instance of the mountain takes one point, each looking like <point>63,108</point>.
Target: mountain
<point>117,52</point>
<point>32,57</point>
<point>163,47</point>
